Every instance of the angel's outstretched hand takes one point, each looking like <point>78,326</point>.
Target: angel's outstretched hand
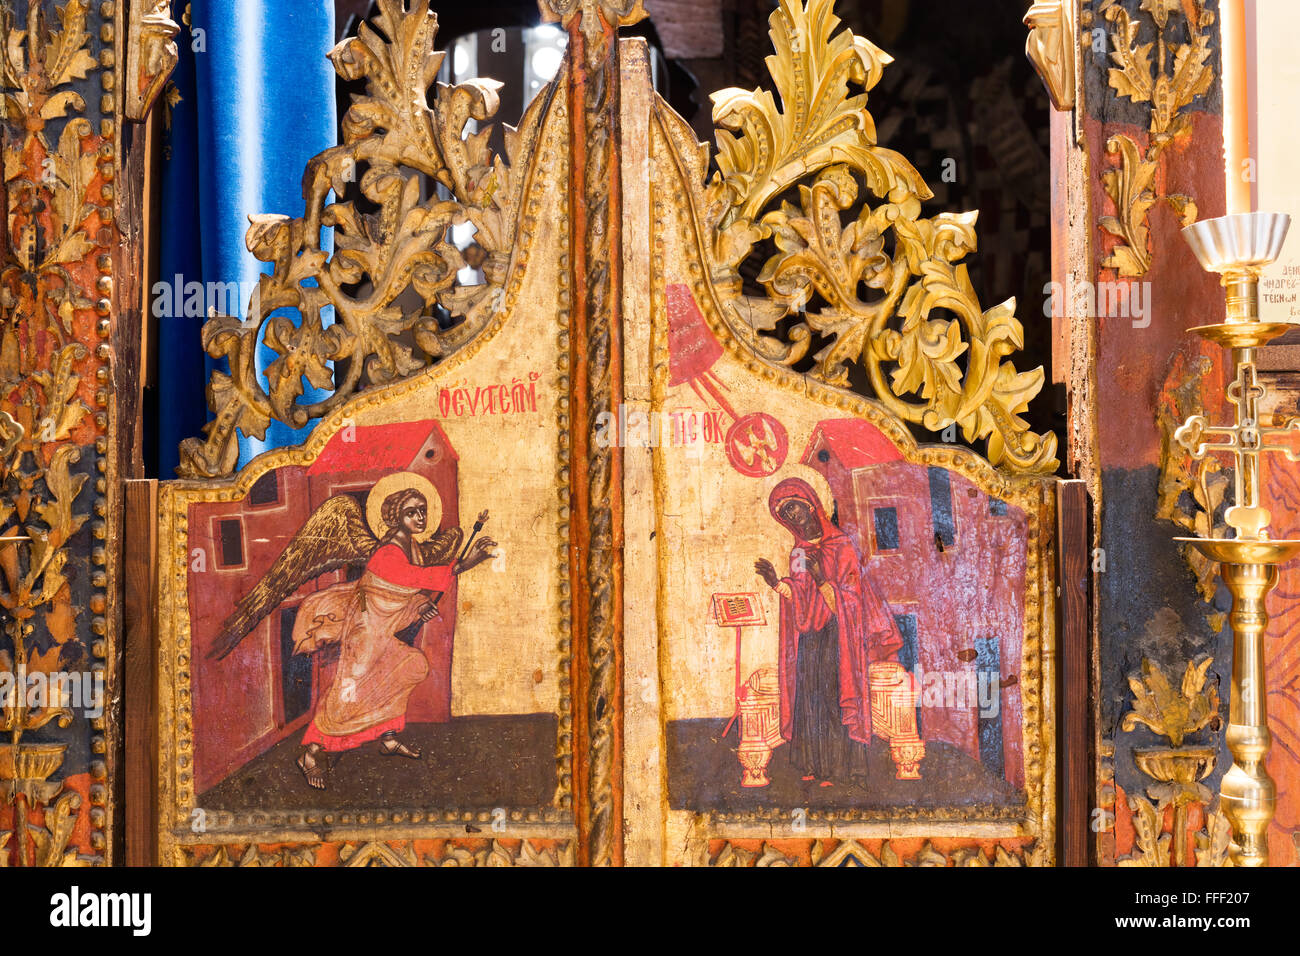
<point>480,551</point>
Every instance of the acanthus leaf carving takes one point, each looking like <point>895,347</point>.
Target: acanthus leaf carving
<point>1170,86</point>
<point>934,355</point>
<point>1172,712</point>
<point>393,146</point>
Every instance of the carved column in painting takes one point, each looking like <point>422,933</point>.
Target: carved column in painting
<point>61,299</point>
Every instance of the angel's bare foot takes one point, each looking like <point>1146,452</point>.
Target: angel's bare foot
<point>390,745</point>
<point>311,763</point>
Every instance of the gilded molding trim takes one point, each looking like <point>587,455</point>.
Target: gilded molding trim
<point>1053,48</point>
<point>151,55</point>
<point>56,307</point>
<point>1179,73</point>
<point>597,362</point>
<point>902,338</point>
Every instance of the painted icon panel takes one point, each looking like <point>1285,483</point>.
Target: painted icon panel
<point>854,629</point>
<point>365,640</point>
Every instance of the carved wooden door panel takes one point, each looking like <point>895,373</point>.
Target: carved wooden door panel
<point>851,654</point>
<point>613,566</point>
<point>396,673</point>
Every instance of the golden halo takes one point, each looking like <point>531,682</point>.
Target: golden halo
<point>388,484</point>
<point>811,475</point>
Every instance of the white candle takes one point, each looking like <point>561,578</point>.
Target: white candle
<point>1236,106</point>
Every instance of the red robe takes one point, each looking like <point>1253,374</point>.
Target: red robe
<point>867,630</point>
<point>376,672</point>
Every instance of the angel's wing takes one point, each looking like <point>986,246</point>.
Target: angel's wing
<point>442,547</point>
<point>334,536</point>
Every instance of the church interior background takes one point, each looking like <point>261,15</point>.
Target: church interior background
<point>815,414</point>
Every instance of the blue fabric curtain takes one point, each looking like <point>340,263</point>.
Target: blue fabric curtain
<point>256,103</point>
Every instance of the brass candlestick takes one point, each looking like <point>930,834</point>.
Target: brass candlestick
<point>1238,247</point>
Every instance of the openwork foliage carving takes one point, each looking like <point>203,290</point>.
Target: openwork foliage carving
<point>1179,73</point>
<point>394,146</point>
<point>895,295</point>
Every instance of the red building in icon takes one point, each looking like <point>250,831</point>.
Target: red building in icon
<point>950,560</point>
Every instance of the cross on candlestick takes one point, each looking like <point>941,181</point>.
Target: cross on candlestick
<point>1237,247</point>
<point>1246,442</point>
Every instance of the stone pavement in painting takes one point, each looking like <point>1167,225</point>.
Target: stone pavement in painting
<point>476,762</point>
<point>704,774</point>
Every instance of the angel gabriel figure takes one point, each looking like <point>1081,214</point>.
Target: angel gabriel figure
<point>407,570</point>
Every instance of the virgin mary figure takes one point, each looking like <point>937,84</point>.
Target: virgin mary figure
<point>833,624</point>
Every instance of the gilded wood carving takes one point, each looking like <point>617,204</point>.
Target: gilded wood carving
<point>883,853</point>
<point>1193,833</point>
<point>150,55</point>
<point>404,576</point>
<point>595,355</point>
<point>924,366</point>
<point>1170,81</point>
<point>810,557</point>
<point>1192,495</point>
<point>1053,48</point>
<point>57,473</point>
<point>390,140</point>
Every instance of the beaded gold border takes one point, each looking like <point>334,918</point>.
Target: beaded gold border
<point>106,524</point>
